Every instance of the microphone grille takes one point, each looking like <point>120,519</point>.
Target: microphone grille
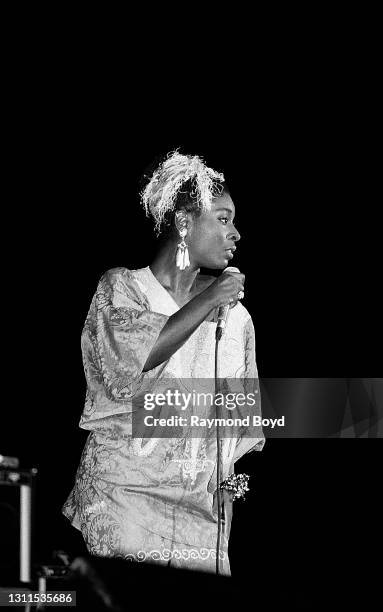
<point>231,269</point>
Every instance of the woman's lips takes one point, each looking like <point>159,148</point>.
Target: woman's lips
<point>230,253</point>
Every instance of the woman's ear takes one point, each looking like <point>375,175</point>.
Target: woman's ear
<point>182,221</point>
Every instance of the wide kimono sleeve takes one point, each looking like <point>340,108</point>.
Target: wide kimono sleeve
<point>119,334</point>
<point>253,439</point>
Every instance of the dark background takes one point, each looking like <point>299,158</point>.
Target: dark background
<point>300,170</point>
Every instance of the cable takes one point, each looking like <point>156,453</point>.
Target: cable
<point>218,460</point>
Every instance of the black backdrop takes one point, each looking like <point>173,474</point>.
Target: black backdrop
<point>299,176</point>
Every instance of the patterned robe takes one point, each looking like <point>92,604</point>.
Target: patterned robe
<point>152,499</point>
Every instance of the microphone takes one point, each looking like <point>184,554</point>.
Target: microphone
<point>223,312</point>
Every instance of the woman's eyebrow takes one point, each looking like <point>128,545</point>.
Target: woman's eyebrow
<point>227,210</point>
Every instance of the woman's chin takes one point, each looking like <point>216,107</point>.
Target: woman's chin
<point>217,265</point>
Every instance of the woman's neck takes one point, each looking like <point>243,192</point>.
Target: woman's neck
<point>180,283</point>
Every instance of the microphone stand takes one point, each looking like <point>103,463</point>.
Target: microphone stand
<point>218,336</point>
<point>219,454</point>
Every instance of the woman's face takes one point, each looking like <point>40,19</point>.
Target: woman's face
<point>212,236</point>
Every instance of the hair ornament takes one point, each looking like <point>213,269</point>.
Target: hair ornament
<point>160,194</point>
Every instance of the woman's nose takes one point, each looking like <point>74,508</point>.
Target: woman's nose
<point>234,235</point>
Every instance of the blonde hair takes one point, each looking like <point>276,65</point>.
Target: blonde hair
<point>161,193</point>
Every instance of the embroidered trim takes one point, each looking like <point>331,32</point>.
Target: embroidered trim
<point>185,554</point>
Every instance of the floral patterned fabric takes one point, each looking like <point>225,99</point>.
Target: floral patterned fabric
<point>152,499</point>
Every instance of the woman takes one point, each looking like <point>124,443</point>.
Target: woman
<point>155,499</point>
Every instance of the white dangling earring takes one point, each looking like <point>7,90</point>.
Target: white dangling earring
<point>182,255</point>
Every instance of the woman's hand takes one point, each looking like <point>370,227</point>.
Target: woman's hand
<point>224,290</point>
